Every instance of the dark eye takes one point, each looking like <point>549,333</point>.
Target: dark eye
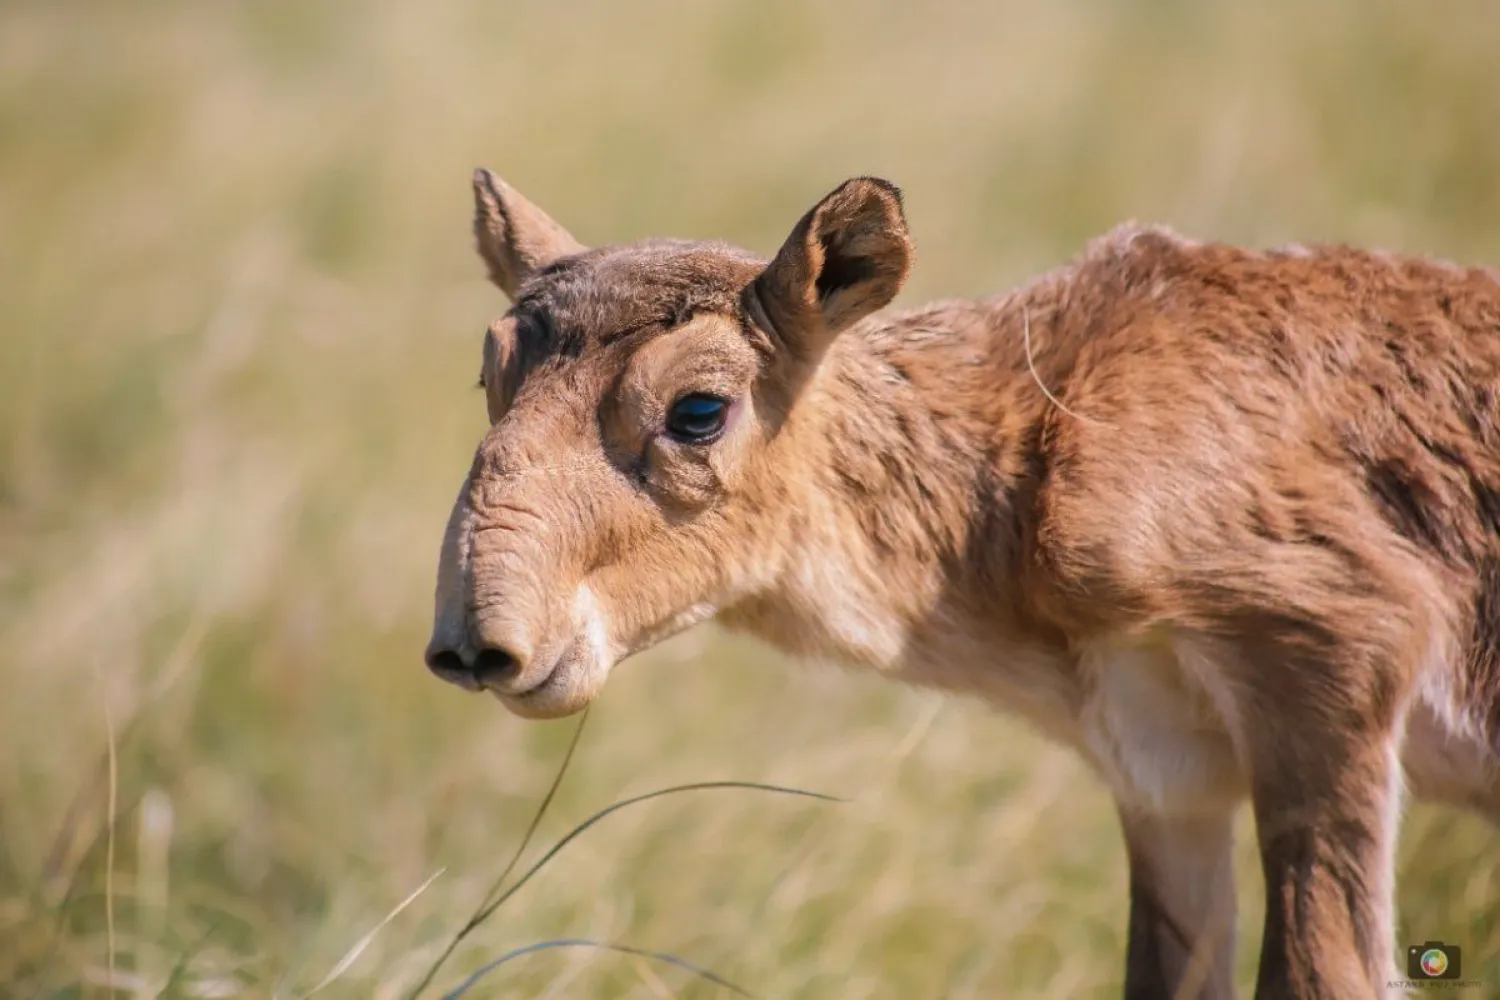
<point>697,418</point>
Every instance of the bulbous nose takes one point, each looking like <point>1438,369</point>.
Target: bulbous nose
<point>474,670</point>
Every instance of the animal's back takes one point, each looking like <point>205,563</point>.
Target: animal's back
<point>1218,413</point>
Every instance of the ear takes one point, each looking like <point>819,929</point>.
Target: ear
<point>845,259</point>
<point>514,237</point>
<point>499,374</point>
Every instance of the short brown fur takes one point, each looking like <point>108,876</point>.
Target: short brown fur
<point>1225,521</point>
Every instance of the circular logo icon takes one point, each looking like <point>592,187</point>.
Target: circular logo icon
<point>1434,961</point>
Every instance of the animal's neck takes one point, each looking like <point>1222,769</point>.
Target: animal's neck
<point>899,527</point>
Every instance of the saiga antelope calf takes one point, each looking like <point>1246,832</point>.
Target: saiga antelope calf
<point>1226,522</point>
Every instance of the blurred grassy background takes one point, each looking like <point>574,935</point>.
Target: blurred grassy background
<point>241,321</point>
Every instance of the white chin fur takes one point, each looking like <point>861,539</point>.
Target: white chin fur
<point>580,674</point>
<point>593,627</point>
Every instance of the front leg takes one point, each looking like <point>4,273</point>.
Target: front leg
<point>1182,906</point>
<point>1327,830</point>
<point>1323,715</point>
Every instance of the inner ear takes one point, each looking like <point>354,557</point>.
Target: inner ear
<point>845,258</point>
<point>840,270</point>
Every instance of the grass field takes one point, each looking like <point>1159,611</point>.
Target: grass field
<point>239,326</point>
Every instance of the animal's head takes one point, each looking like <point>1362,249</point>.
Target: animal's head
<point>627,485</point>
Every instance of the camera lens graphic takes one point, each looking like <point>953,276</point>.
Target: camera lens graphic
<point>1434,961</point>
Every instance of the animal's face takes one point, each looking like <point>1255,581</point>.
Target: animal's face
<point>626,487</point>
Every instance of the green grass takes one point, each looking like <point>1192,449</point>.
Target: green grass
<point>239,322</point>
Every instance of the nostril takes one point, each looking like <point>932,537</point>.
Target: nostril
<point>446,661</point>
<point>448,665</point>
<point>493,664</point>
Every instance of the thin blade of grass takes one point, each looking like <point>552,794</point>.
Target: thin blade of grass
<point>622,949</point>
<point>352,956</point>
<point>105,773</point>
<point>112,805</point>
<point>491,902</point>
<point>697,786</point>
<point>177,665</point>
<point>179,970</point>
<point>477,917</point>
<point>64,909</point>
<point>536,821</point>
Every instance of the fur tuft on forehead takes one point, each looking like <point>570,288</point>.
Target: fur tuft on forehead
<point>597,297</point>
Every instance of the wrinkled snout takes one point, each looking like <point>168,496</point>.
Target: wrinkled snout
<point>510,618</point>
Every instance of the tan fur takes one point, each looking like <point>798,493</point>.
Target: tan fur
<point>1225,521</point>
